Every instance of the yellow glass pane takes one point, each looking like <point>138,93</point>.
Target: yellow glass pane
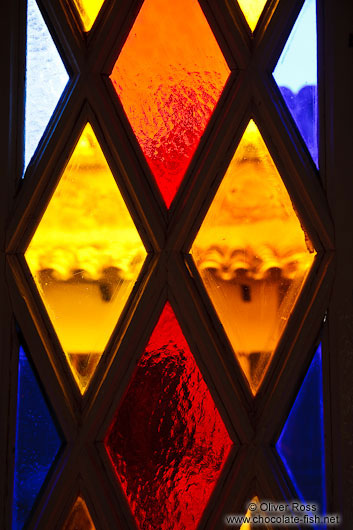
<point>249,513</point>
<point>79,517</point>
<point>88,10</point>
<point>252,513</point>
<point>252,10</point>
<point>85,257</point>
<point>253,255</point>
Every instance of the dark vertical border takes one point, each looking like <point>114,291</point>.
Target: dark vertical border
<point>321,89</point>
<point>12,45</point>
<point>339,174</point>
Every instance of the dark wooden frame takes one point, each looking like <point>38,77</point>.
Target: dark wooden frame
<point>323,202</point>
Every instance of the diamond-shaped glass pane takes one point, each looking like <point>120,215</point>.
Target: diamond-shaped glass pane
<point>252,10</point>
<point>46,78</point>
<point>296,76</point>
<point>37,443</point>
<point>253,255</point>
<point>169,76</point>
<point>88,11</point>
<point>79,517</point>
<point>301,445</point>
<point>167,442</point>
<point>85,257</point>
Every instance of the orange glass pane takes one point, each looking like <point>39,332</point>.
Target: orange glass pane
<point>253,255</point>
<point>88,11</point>
<point>169,76</point>
<point>252,10</point>
<point>85,257</point>
<point>79,517</point>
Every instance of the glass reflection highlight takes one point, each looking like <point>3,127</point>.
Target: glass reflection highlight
<point>85,257</point>
<point>253,255</point>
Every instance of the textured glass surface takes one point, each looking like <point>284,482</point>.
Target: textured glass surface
<point>37,443</point>
<point>85,257</point>
<point>301,445</point>
<point>253,255</point>
<point>296,76</point>
<point>46,78</point>
<point>167,442</point>
<point>79,517</point>
<point>252,10</point>
<point>88,10</point>
<point>169,76</point>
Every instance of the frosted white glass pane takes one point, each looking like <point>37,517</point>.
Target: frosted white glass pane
<point>46,78</point>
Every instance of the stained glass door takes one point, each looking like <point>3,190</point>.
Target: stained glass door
<point>169,255</point>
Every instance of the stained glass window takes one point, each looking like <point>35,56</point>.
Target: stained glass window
<point>37,442</point>
<point>165,445</point>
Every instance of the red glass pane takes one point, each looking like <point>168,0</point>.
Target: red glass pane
<point>169,76</point>
<point>167,442</point>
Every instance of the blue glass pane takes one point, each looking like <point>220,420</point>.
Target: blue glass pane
<point>296,76</point>
<point>301,444</point>
<point>37,442</point>
<point>46,78</point>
